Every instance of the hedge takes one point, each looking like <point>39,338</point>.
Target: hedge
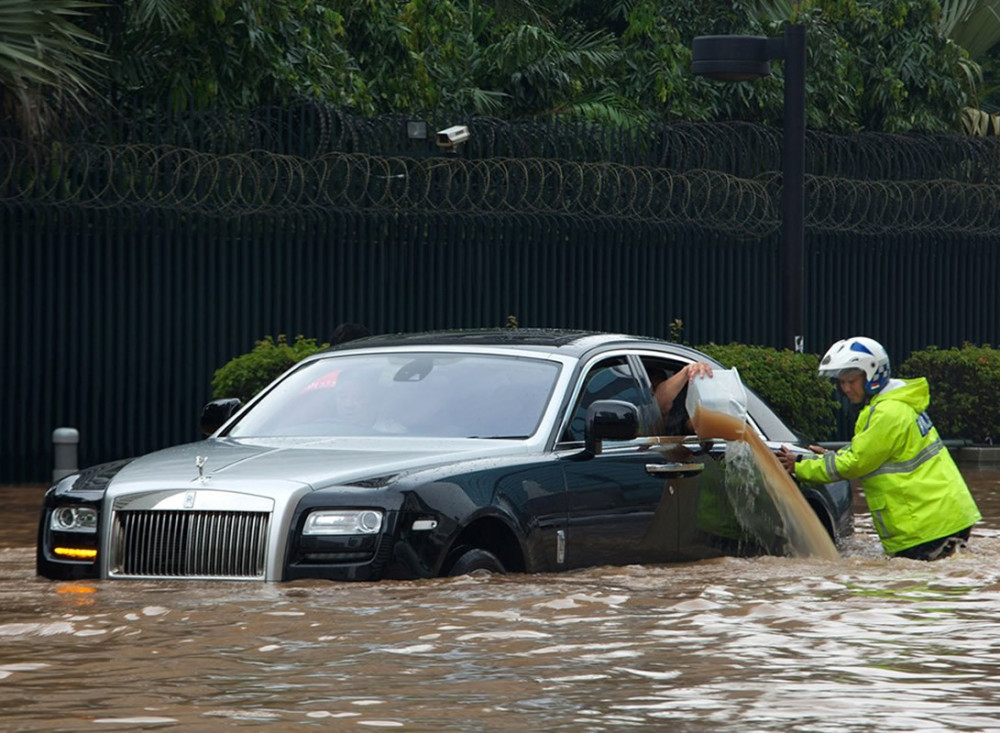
<point>964,384</point>
<point>249,373</point>
<point>787,381</point>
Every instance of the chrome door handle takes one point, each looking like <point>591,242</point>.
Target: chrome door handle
<point>674,470</point>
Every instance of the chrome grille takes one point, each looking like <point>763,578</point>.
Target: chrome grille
<point>188,544</point>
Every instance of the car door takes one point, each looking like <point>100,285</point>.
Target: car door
<point>712,511</point>
<point>721,508</point>
<point>619,511</point>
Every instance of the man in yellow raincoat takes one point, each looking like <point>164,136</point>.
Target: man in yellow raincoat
<point>920,504</point>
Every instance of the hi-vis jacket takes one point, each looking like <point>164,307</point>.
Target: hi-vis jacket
<point>913,488</point>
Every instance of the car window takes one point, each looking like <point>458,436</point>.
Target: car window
<point>609,379</point>
<point>674,422</point>
<point>763,417</point>
<point>414,394</point>
<point>767,421</point>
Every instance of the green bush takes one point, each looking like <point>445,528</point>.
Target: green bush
<point>964,383</point>
<point>964,386</point>
<point>248,374</point>
<point>787,381</point>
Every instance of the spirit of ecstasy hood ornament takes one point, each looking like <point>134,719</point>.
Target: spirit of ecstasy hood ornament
<point>200,462</point>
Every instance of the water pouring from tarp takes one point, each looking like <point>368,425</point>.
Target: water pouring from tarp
<point>717,407</point>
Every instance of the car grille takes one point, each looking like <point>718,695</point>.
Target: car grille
<point>188,544</point>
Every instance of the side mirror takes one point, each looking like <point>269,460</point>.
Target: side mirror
<point>216,412</point>
<point>609,420</point>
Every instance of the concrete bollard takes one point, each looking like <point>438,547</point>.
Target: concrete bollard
<point>64,442</point>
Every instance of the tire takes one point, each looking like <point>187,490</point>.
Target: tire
<point>475,561</point>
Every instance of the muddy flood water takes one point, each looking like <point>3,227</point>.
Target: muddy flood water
<point>862,643</point>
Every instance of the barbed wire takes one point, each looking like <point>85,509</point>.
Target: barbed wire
<point>262,182</point>
<point>259,181</point>
<point>311,129</point>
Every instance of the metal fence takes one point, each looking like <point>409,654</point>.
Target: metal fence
<point>141,254</point>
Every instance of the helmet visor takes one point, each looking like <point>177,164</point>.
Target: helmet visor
<point>839,372</point>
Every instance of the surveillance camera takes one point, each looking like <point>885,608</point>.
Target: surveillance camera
<point>452,136</point>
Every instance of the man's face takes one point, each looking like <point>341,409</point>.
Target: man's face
<point>852,384</point>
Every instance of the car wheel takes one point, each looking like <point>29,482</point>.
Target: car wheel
<point>475,560</point>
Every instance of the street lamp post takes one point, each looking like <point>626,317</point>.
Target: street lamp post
<point>739,58</point>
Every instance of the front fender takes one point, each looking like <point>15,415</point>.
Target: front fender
<point>836,500</point>
<point>440,516</point>
<point>86,489</point>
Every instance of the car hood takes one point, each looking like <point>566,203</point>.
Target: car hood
<point>298,462</point>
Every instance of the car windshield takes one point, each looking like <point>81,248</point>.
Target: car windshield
<point>411,394</point>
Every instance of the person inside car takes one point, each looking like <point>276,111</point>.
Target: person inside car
<point>670,393</point>
<point>349,332</point>
<point>920,504</point>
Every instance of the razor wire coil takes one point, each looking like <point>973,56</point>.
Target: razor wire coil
<point>724,178</point>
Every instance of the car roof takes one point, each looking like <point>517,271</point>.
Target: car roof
<point>544,340</point>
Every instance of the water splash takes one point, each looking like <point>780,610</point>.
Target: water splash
<point>793,528</point>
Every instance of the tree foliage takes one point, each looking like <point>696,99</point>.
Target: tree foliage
<point>975,26</point>
<point>881,65</point>
<point>46,61</point>
<point>972,24</point>
<point>234,52</point>
<point>898,70</point>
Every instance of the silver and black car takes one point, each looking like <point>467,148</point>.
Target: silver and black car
<point>422,455</point>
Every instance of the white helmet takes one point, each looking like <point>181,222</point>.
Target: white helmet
<point>861,353</point>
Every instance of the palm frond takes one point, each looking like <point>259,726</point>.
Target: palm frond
<point>979,123</point>
<point>605,108</point>
<point>46,56</point>
<point>169,14</point>
<point>42,46</point>
<point>482,102</point>
<point>972,24</point>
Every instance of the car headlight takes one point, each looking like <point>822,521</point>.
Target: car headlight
<point>343,521</point>
<point>73,519</point>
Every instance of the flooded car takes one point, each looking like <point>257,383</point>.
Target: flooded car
<point>423,455</point>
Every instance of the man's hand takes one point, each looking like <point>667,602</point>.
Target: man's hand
<point>787,459</point>
<point>698,369</point>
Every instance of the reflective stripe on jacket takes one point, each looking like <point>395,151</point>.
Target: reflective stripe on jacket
<point>914,490</point>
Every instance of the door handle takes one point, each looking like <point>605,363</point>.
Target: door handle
<point>675,470</point>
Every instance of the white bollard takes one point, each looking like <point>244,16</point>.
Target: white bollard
<point>64,442</point>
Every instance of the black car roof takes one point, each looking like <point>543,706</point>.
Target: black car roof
<point>572,341</point>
